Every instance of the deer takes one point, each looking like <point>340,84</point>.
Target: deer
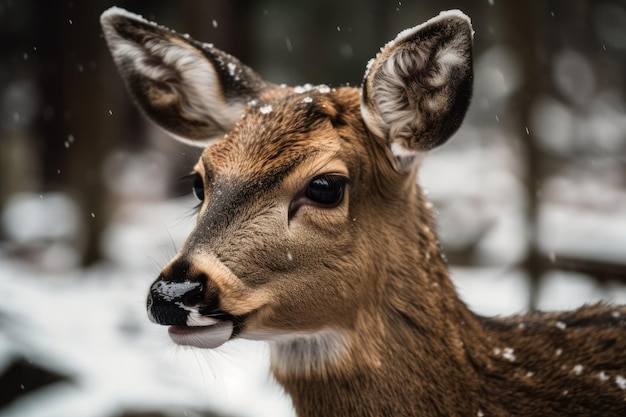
<point>314,236</point>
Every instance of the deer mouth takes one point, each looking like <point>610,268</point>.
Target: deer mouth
<point>191,320</point>
<point>206,332</point>
<point>206,337</point>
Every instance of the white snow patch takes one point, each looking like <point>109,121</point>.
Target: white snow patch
<point>267,109</point>
<point>476,287</point>
<point>568,290</point>
<point>232,68</point>
<point>307,99</point>
<point>303,88</point>
<point>602,376</point>
<point>323,88</point>
<point>507,353</point>
<point>30,217</point>
<point>560,325</point>
<point>577,369</point>
<point>306,88</point>
<point>621,382</point>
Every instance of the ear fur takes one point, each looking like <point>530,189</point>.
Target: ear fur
<point>418,88</point>
<point>192,90</point>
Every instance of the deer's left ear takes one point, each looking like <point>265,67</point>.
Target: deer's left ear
<point>417,90</point>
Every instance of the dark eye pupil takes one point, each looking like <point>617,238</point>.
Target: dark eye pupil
<point>326,190</point>
<point>198,187</point>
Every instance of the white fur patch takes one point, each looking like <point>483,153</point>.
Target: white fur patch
<point>118,11</point>
<point>196,319</point>
<point>407,33</point>
<point>306,352</point>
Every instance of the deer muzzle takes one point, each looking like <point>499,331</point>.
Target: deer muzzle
<point>194,318</point>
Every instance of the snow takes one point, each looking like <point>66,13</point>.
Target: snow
<point>51,216</point>
<point>303,88</point>
<point>621,382</point>
<point>322,88</point>
<point>577,369</point>
<point>267,109</point>
<point>598,235</point>
<point>492,291</point>
<point>568,290</point>
<point>508,354</point>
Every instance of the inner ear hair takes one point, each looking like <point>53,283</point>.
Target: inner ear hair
<point>418,89</point>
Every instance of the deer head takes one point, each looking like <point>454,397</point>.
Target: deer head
<point>310,214</point>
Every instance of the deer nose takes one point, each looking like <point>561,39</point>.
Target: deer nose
<point>182,290</point>
<point>168,301</point>
<point>189,293</point>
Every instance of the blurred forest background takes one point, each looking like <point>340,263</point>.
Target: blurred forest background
<point>532,186</point>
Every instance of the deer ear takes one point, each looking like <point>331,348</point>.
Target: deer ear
<point>418,88</point>
<point>192,90</point>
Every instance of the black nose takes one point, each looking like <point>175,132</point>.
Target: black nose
<point>167,301</point>
<point>180,289</point>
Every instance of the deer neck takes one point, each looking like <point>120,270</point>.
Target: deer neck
<point>407,351</point>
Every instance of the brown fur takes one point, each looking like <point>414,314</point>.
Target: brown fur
<point>356,300</point>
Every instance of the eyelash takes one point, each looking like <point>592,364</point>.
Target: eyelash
<point>186,179</point>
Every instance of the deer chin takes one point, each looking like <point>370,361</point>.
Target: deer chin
<point>205,337</point>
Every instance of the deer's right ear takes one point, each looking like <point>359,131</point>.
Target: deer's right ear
<point>192,90</point>
<point>417,90</point>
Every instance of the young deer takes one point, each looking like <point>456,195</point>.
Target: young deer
<point>314,235</point>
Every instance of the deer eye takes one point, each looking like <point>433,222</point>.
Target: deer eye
<point>326,190</point>
<point>198,187</point>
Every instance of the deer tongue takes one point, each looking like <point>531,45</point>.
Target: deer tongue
<point>206,337</point>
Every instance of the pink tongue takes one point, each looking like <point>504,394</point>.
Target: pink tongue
<point>207,337</point>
